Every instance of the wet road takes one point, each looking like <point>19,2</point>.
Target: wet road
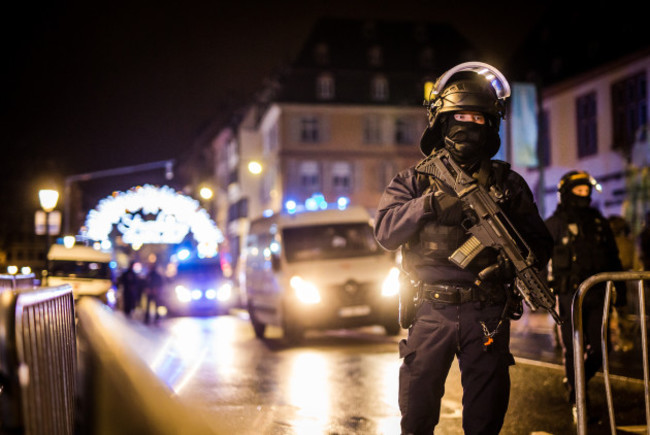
<point>345,382</point>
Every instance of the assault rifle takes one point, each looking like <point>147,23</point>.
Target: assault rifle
<point>490,227</point>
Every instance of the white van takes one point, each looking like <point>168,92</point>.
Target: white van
<point>319,270</point>
<point>86,269</point>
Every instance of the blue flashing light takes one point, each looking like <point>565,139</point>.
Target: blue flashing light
<point>342,202</point>
<point>290,206</point>
<point>319,198</point>
<point>311,204</point>
<point>113,264</point>
<point>267,213</point>
<point>183,254</point>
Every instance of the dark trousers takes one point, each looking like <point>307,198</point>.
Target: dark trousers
<point>152,299</point>
<point>439,334</point>
<point>592,319</point>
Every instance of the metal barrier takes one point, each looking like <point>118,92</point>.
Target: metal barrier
<point>37,360</point>
<point>578,342</point>
<point>120,393</point>
<point>16,281</point>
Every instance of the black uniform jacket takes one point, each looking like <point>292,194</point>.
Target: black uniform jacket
<point>584,246</point>
<point>404,211</point>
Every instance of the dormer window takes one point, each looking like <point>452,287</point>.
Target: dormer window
<point>322,54</point>
<point>379,88</point>
<point>375,56</point>
<point>325,86</point>
<point>426,58</point>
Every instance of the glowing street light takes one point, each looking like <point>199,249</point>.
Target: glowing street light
<point>206,193</point>
<point>254,167</point>
<point>48,199</point>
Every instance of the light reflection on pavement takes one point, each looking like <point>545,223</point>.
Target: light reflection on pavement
<point>336,382</point>
<point>339,382</point>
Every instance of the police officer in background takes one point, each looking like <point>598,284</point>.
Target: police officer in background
<point>454,317</point>
<point>584,245</point>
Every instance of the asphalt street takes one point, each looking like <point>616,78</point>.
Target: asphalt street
<point>537,401</point>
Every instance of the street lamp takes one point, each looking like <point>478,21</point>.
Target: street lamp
<point>48,199</point>
<point>206,193</point>
<point>255,167</point>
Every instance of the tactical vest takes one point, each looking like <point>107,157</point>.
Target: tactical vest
<point>437,242</point>
<point>580,251</point>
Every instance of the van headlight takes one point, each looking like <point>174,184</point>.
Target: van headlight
<point>111,297</point>
<point>390,286</point>
<point>183,294</point>
<point>224,292</point>
<point>305,291</point>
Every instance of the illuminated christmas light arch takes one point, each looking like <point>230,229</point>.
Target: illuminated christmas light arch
<point>151,214</point>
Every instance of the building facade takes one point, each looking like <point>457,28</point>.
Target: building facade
<point>337,125</point>
<point>598,121</point>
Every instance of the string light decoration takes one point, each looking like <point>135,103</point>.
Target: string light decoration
<point>151,214</point>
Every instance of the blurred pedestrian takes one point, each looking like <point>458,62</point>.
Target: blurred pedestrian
<point>624,241</point>
<point>455,317</point>
<point>584,246</point>
<point>131,285</point>
<point>620,326</point>
<point>153,288</point>
<point>644,243</point>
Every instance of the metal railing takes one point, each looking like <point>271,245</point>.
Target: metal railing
<point>120,393</point>
<point>578,342</point>
<point>37,359</point>
<point>16,281</point>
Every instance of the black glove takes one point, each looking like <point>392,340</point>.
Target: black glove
<point>505,269</point>
<point>448,208</point>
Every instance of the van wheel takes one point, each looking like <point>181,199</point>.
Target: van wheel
<point>292,331</point>
<point>392,328</point>
<point>292,334</point>
<point>258,327</point>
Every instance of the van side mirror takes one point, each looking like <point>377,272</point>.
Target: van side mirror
<point>275,262</point>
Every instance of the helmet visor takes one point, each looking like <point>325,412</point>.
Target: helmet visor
<point>491,74</point>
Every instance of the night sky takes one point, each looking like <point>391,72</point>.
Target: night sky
<point>89,88</point>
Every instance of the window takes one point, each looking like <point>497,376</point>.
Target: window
<point>322,54</point>
<point>309,129</point>
<point>271,140</point>
<point>426,58</point>
<point>387,171</point>
<point>586,118</point>
<point>238,210</point>
<point>309,176</point>
<point>629,109</point>
<point>342,177</point>
<point>379,88</point>
<point>325,87</point>
<point>372,130</point>
<point>403,132</point>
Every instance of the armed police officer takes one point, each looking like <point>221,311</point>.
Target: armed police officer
<point>583,246</point>
<point>454,316</point>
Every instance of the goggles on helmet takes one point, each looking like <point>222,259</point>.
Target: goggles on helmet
<point>577,178</point>
<point>491,74</point>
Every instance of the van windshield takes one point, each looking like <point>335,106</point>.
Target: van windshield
<point>80,269</point>
<point>324,242</point>
<point>203,268</point>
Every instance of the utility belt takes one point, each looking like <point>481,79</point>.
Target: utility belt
<point>455,294</point>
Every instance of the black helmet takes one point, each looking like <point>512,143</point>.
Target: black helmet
<point>572,179</point>
<point>471,86</point>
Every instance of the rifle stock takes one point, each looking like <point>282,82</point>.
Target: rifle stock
<point>490,228</point>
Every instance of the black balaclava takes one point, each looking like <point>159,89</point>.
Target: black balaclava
<point>571,200</point>
<point>565,189</point>
<point>469,142</point>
